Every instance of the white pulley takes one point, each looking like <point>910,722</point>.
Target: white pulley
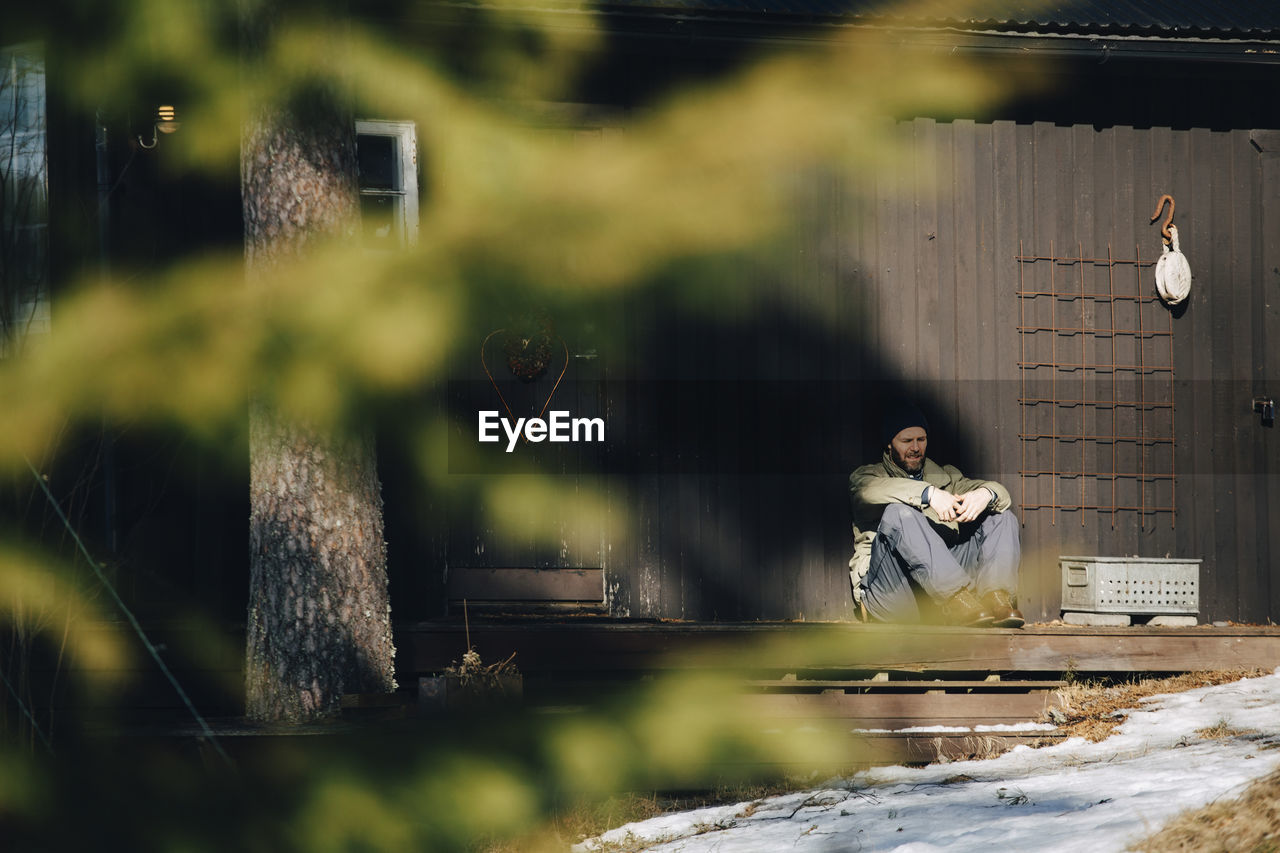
<point>1173,273</point>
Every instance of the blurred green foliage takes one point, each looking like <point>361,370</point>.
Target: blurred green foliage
<point>440,782</point>
<point>516,211</point>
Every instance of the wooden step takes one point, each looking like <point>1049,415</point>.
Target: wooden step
<point>904,710</point>
<point>812,685</point>
<point>620,646</point>
<point>869,749</point>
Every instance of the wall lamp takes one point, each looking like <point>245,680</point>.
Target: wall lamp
<point>166,122</point>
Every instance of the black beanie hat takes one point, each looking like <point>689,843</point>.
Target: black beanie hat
<point>897,416</point>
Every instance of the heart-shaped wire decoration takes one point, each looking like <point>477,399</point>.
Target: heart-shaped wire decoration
<point>484,363</point>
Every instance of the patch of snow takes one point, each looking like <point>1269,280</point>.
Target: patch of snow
<point>934,730</point>
<point>912,730</point>
<point>1074,796</point>
<point>1017,727</point>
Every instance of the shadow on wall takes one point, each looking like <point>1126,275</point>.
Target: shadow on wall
<point>731,435</point>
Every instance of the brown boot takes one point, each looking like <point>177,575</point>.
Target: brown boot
<point>1003,609</point>
<point>965,609</point>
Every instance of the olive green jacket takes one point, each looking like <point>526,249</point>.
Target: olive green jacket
<point>874,486</point>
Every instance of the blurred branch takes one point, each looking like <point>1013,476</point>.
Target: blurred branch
<point>133,622</point>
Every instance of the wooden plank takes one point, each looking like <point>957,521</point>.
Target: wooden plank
<point>1164,175</point>
<point>938,242</point>
<point>724,586</point>
<point>1159,538</point>
<point>967,341</point>
<point>904,710</point>
<point>1205,416</point>
<point>1232,367</point>
<point>904,686</point>
<point>900,286</point>
<point>1039,529</point>
<point>818,271</point>
<point>1133,201</point>
<point>925,324</point>
<point>1238,173</point>
<point>1197,418</point>
<point>1083,170</point>
<point>1267,317</point>
<point>1073,208</point>
<point>888,748</point>
<point>855,309</point>
<point>819,592</point>
<point>1006,417</point>
<point>1189,370</point>
<point>1103,244</point>
<point>848,749</point>
<point>669,587</point>
<point>869,749</point>
<point>1056,203</point>
<point>522,584</point>
<point>860,289</point>
<point>662,589</point>
<point>635,491</point>
<point>784,647</point>
<point>1211,267</point>
<point>975,157</point>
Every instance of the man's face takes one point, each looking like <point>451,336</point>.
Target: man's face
<point>907,448</point>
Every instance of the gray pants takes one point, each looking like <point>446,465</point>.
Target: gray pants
<point>909,548</point>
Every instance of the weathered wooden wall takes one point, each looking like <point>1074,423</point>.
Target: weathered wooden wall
<point>989,192</point>
<point>737,435</point>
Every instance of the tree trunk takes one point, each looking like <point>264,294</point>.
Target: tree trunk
<point>319,617</point>
<point>319,621</point>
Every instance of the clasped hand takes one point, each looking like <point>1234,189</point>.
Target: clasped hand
<point>962,508</point>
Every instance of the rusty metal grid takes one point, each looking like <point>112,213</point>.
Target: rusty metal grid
<point>1097,398</point>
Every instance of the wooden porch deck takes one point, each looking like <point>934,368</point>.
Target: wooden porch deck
<point>881,678</point>
<point>564,646</point>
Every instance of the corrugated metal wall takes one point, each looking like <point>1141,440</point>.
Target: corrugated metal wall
<point>911,279</point>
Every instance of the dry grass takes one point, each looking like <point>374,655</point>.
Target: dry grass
<point>574,823</point>
<point>1250,823</point>
<point>1222,730</point>
<point>584,820</point>
<point>1093,711</point>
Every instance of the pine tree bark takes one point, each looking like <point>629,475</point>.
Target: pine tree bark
<point>319,618</point>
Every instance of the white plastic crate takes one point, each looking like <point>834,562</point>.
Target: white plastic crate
<point>1132,585</point>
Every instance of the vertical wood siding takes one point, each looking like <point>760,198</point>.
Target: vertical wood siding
<point>986,190</point>
<point>908,278</point>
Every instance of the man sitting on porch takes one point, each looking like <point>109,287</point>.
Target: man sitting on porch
<point>922,526</point>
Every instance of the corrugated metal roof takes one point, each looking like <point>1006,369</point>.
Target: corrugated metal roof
<point>1253,19</point>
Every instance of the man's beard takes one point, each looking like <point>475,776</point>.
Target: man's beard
<point>914,466</point>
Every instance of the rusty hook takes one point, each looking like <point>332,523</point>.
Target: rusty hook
<point>1168,220</point>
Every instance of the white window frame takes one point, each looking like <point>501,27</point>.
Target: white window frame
<point>24,69</point>
<point>405,136</point>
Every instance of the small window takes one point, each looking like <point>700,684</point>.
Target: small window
<point>24,187</point>
<point>387,154</point>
